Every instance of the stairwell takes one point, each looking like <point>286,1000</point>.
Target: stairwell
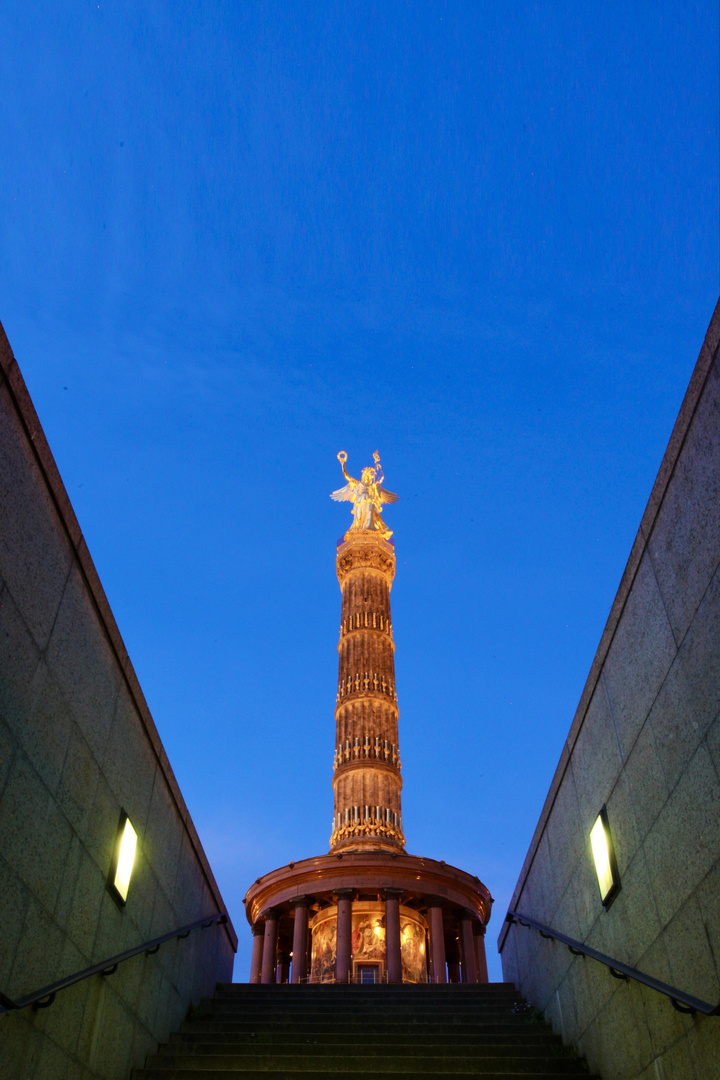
<point>363,1032</point>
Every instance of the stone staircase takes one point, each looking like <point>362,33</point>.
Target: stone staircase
<point>363,1033</point>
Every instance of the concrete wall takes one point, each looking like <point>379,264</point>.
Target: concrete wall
<point>646,741</point>
<point>77,743</point>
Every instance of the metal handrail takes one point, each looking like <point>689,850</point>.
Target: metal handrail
<point>684,1003</point>
<point>43,998</point>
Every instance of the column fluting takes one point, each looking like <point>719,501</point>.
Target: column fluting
<point>367,779</point>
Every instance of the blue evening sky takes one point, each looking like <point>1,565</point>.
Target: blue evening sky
<point>237,238</point>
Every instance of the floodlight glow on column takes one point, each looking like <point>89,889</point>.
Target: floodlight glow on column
<point>122,866</point>
<point>604,859</point>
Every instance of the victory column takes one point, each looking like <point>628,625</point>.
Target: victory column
<point>367,911</point>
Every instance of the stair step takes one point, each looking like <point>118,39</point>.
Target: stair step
<point>369,993</point>
<point>210,1037</point>
<point>321,1027</point>
<point>301,1033</point>
<point>411,989</point>
<point>360,1048</point>
<point>371,1004</point>
<point>294,1074</point>
<point>259,1009</point>
<point>376,1000</point>
<point>338,1066</point>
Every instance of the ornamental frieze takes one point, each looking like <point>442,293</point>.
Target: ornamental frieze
<point>364,558</point>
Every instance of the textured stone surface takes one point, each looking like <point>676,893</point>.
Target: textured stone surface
<point>633,918</point>
<point>639,658</point>
<point>19,659</point>
<point>33,548</point>
<point>564,835</point>
<point>14,898</point>
<point>691,962</point>
<point>689,699</point>
<point>163,836</point>
<point>83,663</point>
<point>129,766</point>
<point>708,898</point>
<point>645,778</point>
<point>35,834</point>
<point>623,824</point>
<point>585,891</point>
<point>685,539</point>
<point>7,749</point>
<point>46,729</point>
<point>684,844</point>
<point>596,760</point>
<point>646,742</point>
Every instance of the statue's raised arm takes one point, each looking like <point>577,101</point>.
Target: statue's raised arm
<point>367,496</point>
<point>385,495</point>
<point>345,494</point>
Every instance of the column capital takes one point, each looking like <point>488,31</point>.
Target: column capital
<point>300,901</point>
<point>392,894</point>
<point>365,550</point>
<point>258,927</point>
<point>344,894</point>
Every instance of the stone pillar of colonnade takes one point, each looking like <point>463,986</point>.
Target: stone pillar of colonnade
<point>343,955</point>
<point>393,948</point>
<point>269,947</point>
<point>300,940</point>
<point>452,952</point>
<point>480,958</point>
<point>437,944</point>
<point>283,965</point>
<point>429,955</point>
<point>258,932</point>
<point>467,945</point>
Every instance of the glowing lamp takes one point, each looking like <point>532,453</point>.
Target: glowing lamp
<point>604,859</point>
<point>123,859</point>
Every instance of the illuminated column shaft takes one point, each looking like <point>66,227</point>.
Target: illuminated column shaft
<point>367,778</point>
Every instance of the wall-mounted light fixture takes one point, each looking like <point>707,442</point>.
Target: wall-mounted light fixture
<point>604,858</point>
<point>123,859</point>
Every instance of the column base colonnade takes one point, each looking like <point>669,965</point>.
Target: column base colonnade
<point>368,918</point>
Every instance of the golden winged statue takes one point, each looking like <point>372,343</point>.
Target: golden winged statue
<point>367,496</point>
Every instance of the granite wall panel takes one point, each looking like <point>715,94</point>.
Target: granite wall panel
<point>645,741</point>
<point>77,745</point>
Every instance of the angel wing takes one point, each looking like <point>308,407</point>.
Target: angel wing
<point>385,495</point>
<point>344,494</point>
